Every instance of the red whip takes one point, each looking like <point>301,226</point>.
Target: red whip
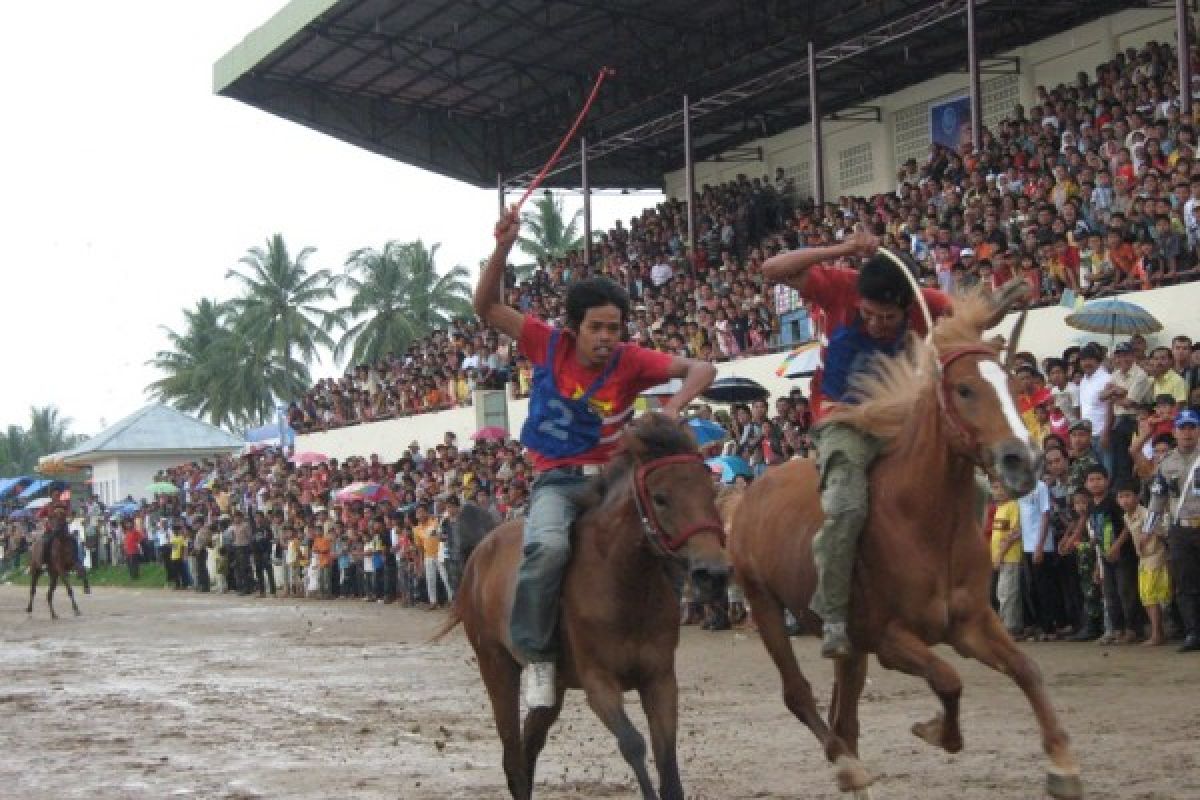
<point>541,176</point>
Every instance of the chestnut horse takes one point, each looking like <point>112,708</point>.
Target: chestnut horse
<point>923,567</point>
<point>650,516</point>
<point>55,552</point>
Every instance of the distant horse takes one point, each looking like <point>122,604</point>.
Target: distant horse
<point>646,519</point>
<point>923,568</point>
<point>56,552</point>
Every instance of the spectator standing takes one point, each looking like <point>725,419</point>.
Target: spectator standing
<point>1006,558</point>
<point>1093,405</point>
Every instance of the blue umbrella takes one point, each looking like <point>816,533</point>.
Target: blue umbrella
<point>1114,317</point>
<point>706,431</point>
<point>124,509</point>
<point>735,390</point>
<point>730,467</point>
<point>21,514</point>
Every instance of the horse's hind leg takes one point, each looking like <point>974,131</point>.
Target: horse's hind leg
<point>50,593</point>
<point>604,697</point>
<point>900,649</point>
<point>660,701</point>
<point>797,692</point>
<point>70,593</point>
<point>533,733</point>
<point>502,677</point>
<point>87,587</point>
<point>986,640</point>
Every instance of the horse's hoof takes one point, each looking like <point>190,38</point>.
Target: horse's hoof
<point>852,776</point>
<point>1064,785</point>
<point>78,613</point>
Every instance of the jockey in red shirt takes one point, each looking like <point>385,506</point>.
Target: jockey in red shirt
<point>584,386</point>
<point>869,312</point>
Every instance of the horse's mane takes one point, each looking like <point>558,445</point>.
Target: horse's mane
<point>650,436</point>
<point>889,390</point>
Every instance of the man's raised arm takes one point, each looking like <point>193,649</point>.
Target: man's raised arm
<point>489,304</point>
<point>792,267</point>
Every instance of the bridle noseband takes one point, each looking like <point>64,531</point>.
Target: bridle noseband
<point>662,543</point>
<point>947,402</point>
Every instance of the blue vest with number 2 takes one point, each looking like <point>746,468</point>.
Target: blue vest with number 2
<point>848,353</point>
<point>558,426</point>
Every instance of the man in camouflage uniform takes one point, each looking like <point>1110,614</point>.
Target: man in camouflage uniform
<point>1177,496</point>
<point>1083,458</point>
<point>1082,454</point>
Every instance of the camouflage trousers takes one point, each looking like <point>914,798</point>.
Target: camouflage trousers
<point>1093,594</point>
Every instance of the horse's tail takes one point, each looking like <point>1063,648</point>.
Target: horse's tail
<point>450,624</point>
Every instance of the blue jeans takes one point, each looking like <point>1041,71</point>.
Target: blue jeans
<point>1103,454</point>
<point>533,626</point>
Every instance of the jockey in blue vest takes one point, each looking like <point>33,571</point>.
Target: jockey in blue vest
<point>585,382</point>
<point>868,312</point>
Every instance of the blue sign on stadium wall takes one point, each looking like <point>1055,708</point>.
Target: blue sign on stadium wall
<point>950,122</point>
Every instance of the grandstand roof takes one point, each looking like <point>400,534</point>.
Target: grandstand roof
<point>473,88</point>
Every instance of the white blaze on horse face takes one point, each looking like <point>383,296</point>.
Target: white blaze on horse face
<point>994,374</point>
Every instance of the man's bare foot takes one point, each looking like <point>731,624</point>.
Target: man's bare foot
<point>1154,641</point>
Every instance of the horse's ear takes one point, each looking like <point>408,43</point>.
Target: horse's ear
<point>1013,294</point>
<point>633,444</point>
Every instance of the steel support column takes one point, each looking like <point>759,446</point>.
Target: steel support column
<point>973,78</point>
<point>689,176</point>
<point>817,170</point>
<point>587,200</point>
<point>500,192</point>
<point>1184,47</point>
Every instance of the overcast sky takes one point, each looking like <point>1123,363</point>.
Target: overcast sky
<point>127,189</point>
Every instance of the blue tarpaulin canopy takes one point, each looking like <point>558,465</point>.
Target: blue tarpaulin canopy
<point>270,433</point>
<point>11,484</point>
<point>34,488</point>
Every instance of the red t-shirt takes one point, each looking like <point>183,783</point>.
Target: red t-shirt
<point>835,291</point>
<point>638,369</point>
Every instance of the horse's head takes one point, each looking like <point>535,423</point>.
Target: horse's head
<point>977,391</point>
<point>676,501</point>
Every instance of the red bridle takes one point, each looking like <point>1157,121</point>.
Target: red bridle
<point>660,541</point>
<point>947,402</point>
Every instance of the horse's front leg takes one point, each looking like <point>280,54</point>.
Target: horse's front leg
<point>70,593</point>
<point>50,593</point>
<point>984,638</point>
<point>604,697</point>
<point>902,650</point>
<point>660,701</point>
<point>34,573</point>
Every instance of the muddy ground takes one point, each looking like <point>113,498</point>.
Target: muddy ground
<point>160,694</point>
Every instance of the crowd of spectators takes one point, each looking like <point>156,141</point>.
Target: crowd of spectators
<point>1092,191</point>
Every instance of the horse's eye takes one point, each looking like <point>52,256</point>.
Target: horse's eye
<point>964,391</point>
<point>659,498</point>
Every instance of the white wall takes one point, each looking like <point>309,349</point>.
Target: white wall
<point>1045,334</point>
<point>105,480</point>
<point>1048,62</point>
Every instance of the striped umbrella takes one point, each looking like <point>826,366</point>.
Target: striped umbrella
<point>1114,317</point>
<point>801,362</point>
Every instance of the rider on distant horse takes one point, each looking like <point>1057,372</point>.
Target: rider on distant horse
<point>583,391</point>
<point>56,525</point>
<point>868,312</point>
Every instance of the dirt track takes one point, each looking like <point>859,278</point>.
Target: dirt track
<point>162,694</point>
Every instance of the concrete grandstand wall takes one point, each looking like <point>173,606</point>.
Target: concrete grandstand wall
<point>862,158</point>
<point>1045,334</point>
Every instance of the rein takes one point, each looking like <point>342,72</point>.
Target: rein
<point>660,541</point>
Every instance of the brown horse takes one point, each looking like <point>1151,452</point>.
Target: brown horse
<point>923,567</point>
<point>646,519</point>
<point>56,553</point>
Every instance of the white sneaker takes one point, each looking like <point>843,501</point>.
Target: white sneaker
<point>540,691</point>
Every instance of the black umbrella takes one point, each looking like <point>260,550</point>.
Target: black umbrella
<point>735,390</point>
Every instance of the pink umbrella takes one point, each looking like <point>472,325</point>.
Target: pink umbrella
<point>492,433</point>
<point>307,459</point>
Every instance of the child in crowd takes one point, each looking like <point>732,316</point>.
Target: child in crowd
<point>1006,557</point>
<point>1116,556</point>
<point>1079,542</point>
<point>1154,587</point>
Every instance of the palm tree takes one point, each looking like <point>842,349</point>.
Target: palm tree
<point>397,296</point>
<point>214,370</point>
<point>279,306</point>
<point>22,448</point>
<point>550,237</point>
<point>190,366</point>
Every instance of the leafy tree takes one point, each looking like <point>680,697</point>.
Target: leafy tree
<point>550,236</point>
<point>22,448</point>
<point>397,295</point>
